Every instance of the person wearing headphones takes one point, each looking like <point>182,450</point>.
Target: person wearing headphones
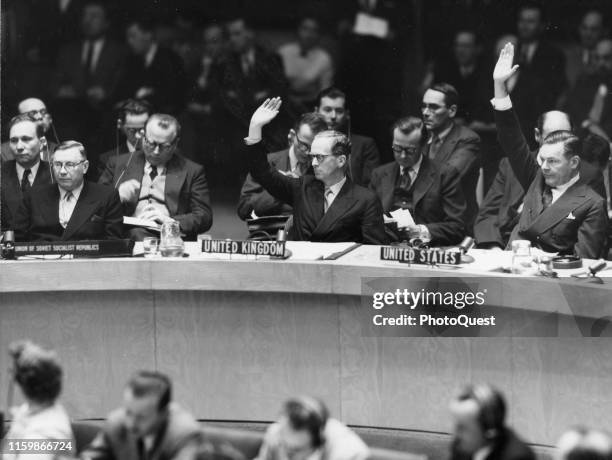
<point>480,433</point>
<point>148,426</point>
<point>305,431</point>
<point>41,417</point>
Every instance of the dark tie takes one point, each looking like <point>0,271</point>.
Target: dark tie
<point>405,180</point>
<point>88,57</point>
<point>153,173</point>
<point>25,183</point>
<point>546,197</point>
<point>434,146</point>
<point>142,453</point>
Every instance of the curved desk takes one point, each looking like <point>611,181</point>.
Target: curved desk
<point>239,336</point>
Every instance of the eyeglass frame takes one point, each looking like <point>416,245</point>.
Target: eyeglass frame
<point>413,149</point>
<point>162,147</point>
<point>68,165</point>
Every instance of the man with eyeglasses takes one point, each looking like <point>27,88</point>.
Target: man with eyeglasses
<point>451,145</point>
<point>293,162</point>
<point>433,195</point>
<point>36,109</point>
<point>157,184</point>
<point>328,206</point>
<point>71,209</point>
<point>26,170</point>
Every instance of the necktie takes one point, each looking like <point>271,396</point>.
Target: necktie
<point>246,64</point>
<point>328,196</point>
<point>88,57</point>
<point>434,146</point>
<point>25,183</point>
<point>405,180</point>
<point>65,213</point>
<point>153,173</point>
<point>546,197</point>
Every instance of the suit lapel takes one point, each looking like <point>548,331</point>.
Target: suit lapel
<point>42,175</point>
<point>448,145</point>
<point>86,205</point>
<point>49,205</point>
<point>340,207</point>
<point>560,209</point>
<point>423,181</point>
<point>388,185</point>
<point>175,177</point>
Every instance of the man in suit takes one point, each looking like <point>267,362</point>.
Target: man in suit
<point>332,104</point>
<point>152,72</point>
<point>37,110</point>
<point>433,196</point>
<point>26,141</point>
<point>149,425</point>
<point>450,145</point>
<point>581,56</point>
<point>305,430</point>
<point>157,184</point>
<point>480,432</point>
<point>293,162</point>
<point>72,208</point>
<point>328,206</point>
<point>561,212</point>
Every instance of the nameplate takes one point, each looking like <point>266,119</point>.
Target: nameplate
<point>432,256</point>
<point>254,248</point>
<point>90,248</point>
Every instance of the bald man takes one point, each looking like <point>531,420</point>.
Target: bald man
<point>38,111</point>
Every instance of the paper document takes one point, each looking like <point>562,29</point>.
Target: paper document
<point>306,250</point>
<point>403,218</point>
<point>136,222</point>
<point>366,24</point>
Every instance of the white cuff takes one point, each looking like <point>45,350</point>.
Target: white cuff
<point>250,141</point>
<point>501,104</point>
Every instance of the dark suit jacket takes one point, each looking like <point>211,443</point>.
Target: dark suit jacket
<point>580,100</point>
<point>508,446</point>
<point>70,71</point>
<point>437,199</point>
<point>11,189</point>
<point>117,442</point>
<point>186,190</point>
<point>461,151</point>
<point>576,223</point>
<point>355,215</point>
<point>97,215</point>
<point>253,197</point>
<point>364,158</point>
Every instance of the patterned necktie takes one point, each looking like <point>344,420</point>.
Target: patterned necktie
<point>328,195</point>
<point>64,214</point>
<point>405,180</point>
<point>434,146</point>
<point>546,197</point>
<point>153,173</point>
<point>25,182</point>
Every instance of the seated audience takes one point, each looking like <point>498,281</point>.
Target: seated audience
<point>306,431</point>
<point>584,444</point>
<point>452,145</point>
<point>149,425</point>
<point>71,208</point>
<point>432,194</point>
<point>40,417</point>
<point>26,141</point>
<point>480,431</point>
<point>328,206</point>
<point>36,109</point>
<point>561,212</point>
<point>332,104</point>
<point>157,184</point>
<point>294,162</point>
<point>308,67</point>
<point>581,56</point>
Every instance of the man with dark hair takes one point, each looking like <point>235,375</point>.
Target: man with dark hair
<point>72,208</point>
<point>327,206</point>
<point>156,184</point>
<point>152,72</point>
<point>581,56</point>
<point>561,213</point>
<point>581,443</point>
<point>149,425</point>
<point>293,162</point>
<point>305,430</point>
<point>450,145</point>
<point>479,413</point>
<point>432,195</point>
<point>332,104</point>
<point>18,176</point>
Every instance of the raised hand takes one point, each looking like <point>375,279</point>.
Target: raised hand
<point>504,68</point>
<point>266,112</point>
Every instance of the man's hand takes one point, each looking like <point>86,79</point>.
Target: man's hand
<point>128,191</point>
<point>151,213</point>
<point>504,70</point>
<point>264,114</point>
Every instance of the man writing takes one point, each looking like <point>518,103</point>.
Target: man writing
<point>327,206</point>
<point>561,213</point>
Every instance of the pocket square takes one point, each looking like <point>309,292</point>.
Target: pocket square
<point>571,216</point>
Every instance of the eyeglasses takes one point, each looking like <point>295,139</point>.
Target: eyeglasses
<point>431,107</point>
<point>33,113</point>
<point>154,145</point>
<point>303,146</point>
<point>69,165</point>
<point>398,149</point>
<point>320,157</point>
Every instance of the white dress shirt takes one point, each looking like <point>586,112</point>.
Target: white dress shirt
<point>66,207</point>
<point>332,191</point>
<point>33,172</point>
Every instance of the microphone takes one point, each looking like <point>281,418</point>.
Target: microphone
<point>117,130</point>
<point>466,244</point>
<point>8,245</point>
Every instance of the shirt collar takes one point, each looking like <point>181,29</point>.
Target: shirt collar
<point>442,135</point>
<point>415,167</point>
<point>335,189</point>
<point>33,171</point>
<point>76,193</point>
<point>562,188</point>
<point>150,55</point>
<point>130,147</point>
<point>160,168</point>
<point>482,453</point>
